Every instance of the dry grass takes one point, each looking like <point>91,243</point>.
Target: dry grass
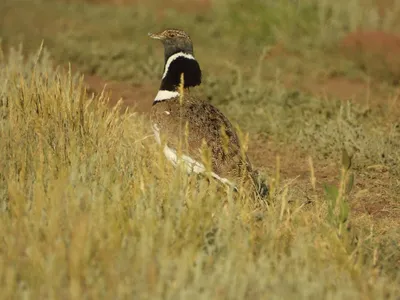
<point>90,209</point>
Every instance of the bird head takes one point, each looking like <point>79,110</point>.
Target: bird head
<point>174,41</point>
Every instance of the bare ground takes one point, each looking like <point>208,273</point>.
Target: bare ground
<point>375,51</point>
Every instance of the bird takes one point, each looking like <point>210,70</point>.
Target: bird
<point>177,115</point>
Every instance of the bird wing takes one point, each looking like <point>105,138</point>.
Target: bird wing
<point>195,127</point>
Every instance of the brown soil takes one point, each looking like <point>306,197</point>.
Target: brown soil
<point>375,51</point>
<point>138,97</point>
<point>369,95</point>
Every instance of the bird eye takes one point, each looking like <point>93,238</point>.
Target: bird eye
<point>171,35</point>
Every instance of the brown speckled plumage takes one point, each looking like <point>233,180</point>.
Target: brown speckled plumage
<point>204,123</point>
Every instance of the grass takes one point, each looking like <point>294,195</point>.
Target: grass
<point>91,209</point>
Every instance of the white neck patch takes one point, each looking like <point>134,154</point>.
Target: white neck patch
<point>163,95</point>
<point>173,57</point>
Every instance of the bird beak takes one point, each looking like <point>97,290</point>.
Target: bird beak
<point>155,36</point>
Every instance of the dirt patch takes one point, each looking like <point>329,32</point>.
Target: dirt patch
<point>374,51</point>
<point>367,94</point>
<point>139,97</point>
<point>293,163</point>
<point>275,51</point>
<point>338,88</point>
<point>373,192</point>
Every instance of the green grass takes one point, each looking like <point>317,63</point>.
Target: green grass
<point>91,209</point>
